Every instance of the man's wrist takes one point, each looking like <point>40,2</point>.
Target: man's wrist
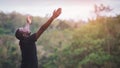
<point>52,18</point>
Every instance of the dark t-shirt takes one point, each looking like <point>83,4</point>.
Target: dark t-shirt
<point>28,51</point>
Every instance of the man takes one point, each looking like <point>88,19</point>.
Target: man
<point>27,41</point>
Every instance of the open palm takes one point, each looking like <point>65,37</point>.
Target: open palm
<point>56,13</point>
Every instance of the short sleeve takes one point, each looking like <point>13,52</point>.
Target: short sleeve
<point>32,38</point>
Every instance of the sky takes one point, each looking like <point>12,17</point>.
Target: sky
<point>71,9</point>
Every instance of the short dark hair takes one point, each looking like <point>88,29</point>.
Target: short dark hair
<point>18,34</point>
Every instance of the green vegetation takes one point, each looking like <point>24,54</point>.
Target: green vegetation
<point>65,44</point>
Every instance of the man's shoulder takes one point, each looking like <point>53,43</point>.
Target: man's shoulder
<point>32,37</point>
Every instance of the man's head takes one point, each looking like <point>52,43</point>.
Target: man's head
<point>24,32</point>
<point>20,34</point>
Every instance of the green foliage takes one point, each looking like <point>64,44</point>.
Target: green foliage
<point>95,44</point>
<point>92,46</point>
<point>10,55</point>
<point>97,58</point>
<point>4,31</point>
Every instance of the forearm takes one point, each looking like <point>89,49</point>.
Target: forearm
<point>44,27</point>
<point>56,13</point>
<point>27,27</point>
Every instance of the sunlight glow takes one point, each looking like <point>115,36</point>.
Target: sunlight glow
<point>71,9</point>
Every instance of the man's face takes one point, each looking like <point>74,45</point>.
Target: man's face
<point>25,34</point>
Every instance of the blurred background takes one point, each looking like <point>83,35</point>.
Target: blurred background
<point>85,35</point>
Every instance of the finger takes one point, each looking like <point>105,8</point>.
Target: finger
<point>59,10</point>
<point>54,11</point>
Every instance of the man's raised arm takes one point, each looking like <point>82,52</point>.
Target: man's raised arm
<point>56,13</point>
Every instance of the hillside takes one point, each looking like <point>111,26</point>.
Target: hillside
<point>65,44</point>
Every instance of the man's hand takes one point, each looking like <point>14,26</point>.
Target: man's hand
<point>29,21</point>
<point>56,13</point>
